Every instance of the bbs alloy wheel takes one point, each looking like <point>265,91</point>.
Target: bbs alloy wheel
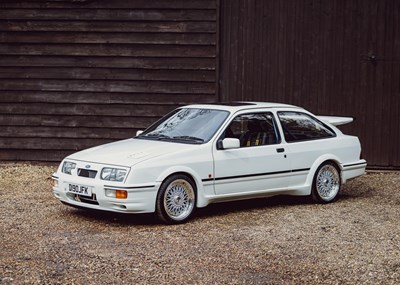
<point>326,184</point>
<point>176,199</point>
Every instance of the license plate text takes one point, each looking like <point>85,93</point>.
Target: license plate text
<point>79,189</point>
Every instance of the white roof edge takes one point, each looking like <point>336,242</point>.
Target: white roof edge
<point>246,105</point>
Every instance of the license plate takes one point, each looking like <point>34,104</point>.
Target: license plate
<point>80,190</point>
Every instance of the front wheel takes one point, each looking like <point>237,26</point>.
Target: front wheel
<point>176,199</point>
<point>326,184</point>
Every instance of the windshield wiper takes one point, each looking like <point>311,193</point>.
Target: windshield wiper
<point>157,136</point>
<point>177,138</point>
<point>189,138</point>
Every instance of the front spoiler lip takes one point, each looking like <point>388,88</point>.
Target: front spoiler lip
<point>104,213</point>
<point>122,209</point>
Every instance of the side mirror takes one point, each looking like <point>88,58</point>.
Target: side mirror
<point>230,143</point>
<point>139,132</point>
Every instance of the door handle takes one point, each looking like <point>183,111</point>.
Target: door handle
<point>280,150</point>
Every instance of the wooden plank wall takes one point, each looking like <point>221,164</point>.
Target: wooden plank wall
<point>337,57</point>
<point>78,73</point>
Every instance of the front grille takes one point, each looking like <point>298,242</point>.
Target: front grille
<point>87,173</point>
<point>88,200</point>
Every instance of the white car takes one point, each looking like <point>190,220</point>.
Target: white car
<point>202,154</point>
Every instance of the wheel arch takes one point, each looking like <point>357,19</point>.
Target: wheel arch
<point>317,163</point>
<point>192,175</point>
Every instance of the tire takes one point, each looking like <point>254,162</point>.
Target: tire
<point>176,199</point>
<point>326,184</point>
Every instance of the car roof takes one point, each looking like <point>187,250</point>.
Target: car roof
<point>241,105</point>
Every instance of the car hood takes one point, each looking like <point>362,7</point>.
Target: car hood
<point>128,152</point>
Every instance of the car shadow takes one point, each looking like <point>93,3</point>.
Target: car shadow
<point>114,218</point>
<point>213,210</point>
<point>225,208</point>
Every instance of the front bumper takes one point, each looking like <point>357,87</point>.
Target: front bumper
<point>140,198</point>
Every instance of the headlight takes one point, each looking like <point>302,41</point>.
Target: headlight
<point>113,174</point>
<point>68,167</point>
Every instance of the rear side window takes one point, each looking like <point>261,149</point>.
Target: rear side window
<point>301,127</point>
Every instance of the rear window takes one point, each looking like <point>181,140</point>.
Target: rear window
<point>301,127</point>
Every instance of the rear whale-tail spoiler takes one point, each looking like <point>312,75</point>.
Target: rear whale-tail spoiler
<point>336,121</point>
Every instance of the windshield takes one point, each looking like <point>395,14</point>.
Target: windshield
<point>187,126</point>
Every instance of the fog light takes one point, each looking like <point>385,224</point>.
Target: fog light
<point>119,194</point>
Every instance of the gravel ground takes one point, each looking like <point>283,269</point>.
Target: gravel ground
<point>280,240</point>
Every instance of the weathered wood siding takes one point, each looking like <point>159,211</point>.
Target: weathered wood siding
<point>77,73</point>
<point>338,57</point>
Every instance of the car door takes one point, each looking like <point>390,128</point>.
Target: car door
<point>259,164</point>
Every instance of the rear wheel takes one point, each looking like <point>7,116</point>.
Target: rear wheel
<point>326,184</point>
<point>176,199</point>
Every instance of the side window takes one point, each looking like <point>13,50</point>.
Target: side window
<point>254,129</point>
<point>300,127</point>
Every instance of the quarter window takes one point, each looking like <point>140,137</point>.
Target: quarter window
<point>300,127</point>
<point>254,130</point>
